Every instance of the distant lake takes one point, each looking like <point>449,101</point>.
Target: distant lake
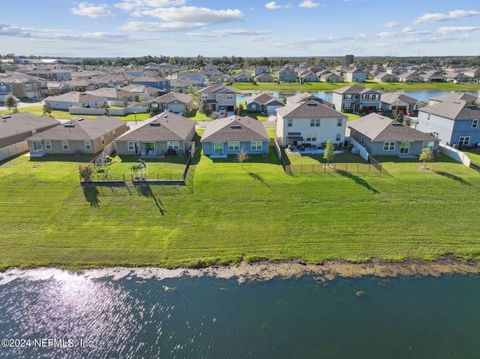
<point>131,317</point>
<point>419,95</point>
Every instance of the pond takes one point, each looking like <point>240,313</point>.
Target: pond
<point>132,316</point>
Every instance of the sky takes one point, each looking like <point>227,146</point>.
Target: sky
<point>248,28</point>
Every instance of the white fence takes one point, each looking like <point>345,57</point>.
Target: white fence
<point>455,154</point>
<point>13,150</point>
<point>362,151</point>
<point>113,111</point>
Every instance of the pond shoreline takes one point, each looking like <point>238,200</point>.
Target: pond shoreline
<point>264,271</point>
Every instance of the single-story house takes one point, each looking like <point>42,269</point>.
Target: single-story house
<point>175,102</point>
<point>265,78</point>
<point>113,94</point>
<point>263,103</point>
<point>410,76</point>
<point>382,136</point>
<point>242,77</point>
<point>330,77</point>
<point>159,134</point>
<point>82,136</point>
<point>231,135</point>
<point>454,97</point>
<point>392,101</point>
<point>384,77</point>
<point>75,99</point>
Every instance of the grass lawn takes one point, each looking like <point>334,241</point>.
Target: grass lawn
<point>474,155</point>
<point>196,115</point>
<point>170,167</point>
<point>308,159</point>
<point>233,211</point>
<point>326,86</point>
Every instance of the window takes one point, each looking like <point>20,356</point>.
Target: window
<point>428,144</point>
<point>48,145</point>
<point>87,144</point>
<point>338,138</point>
<point>229,97</point>
<point>463,140</point>
<point>404,147</point>
<point>131,146</point>
<point>339,122</point>
<point>311,139</point>
<point>362,141</point>
<point>233,145</point>
<point>475,123</point>
<point>389,146</point>
<point>289,123</point>
<point>173,145</point>
<point>256,145</point>
<point>315,122</point>
<point>65,145</point>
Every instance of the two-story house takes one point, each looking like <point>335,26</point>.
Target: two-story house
<point>218,98</point>
<point>455,123</point>
<point>356,99</point>
<point>356,76</point>
<point>287,74</point>
<point>309,123</point>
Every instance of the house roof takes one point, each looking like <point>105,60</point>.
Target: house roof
<point>263,99</point>
<point>164,127</point>
<point>309,109</point>
<point>235,128</point>
<point>458,110</point>
<point>353,89</point>
<point>380,128</point>
<point>23,122</point>
<point>456,96</point>
<point>82,129</point>
<point>75,97</point>
<point>108,92</point>
<point>174,96</point>
<point>302,97</point>
<point>217,88</point>
<point>391,97</point>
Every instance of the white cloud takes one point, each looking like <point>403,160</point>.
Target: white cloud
<point>457,29</point>
<point>452,15</point>
<point>392,24</point>
<point>135,5</point>
<point>272,5</point>
<point>183,18</point>
<point>92,10</point>
<point>230,32</point>
<point>309,4</point>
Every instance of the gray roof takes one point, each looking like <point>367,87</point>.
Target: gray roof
<point>263,99</point>
<point>302,97</point>
<point>309,109</point>
<point>455,97</point>
<point>75,97</point>
<point>82,129</point>
<point>353,89</point>
<point>217,88</point>
<point>380,128</point>
<point>174,96</point>
<point>111,93</point>
<point>458,110</point>
<point>164,127</point>
<point>391,97</point>
<point>23,122</point>
<point>235,128</point>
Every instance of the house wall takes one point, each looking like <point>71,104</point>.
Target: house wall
<point>341,102</point>
<point>327,130</point>
<point>208,148</point>
<point>13,150</point>
<point>440,126</point>
<point>5,90</point>
<point>19,137</point>
<point>464,128</point>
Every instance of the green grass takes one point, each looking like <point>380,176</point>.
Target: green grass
<point>233,211</point>
<point>384,86</point>
<point>170,167</point>
<point>308,159</point>
<point>474,155</point>
<point>196,115</point>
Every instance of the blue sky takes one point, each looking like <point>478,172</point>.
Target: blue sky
<point>240,27</point>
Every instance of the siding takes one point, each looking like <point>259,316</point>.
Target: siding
<point>208,148</point>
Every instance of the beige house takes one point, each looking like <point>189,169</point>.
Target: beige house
<point>83,136</point>
<point>175,102</point>
<point>164,132</point>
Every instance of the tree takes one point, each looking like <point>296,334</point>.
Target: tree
<point>242,156</point>
<point>240,110</point>
<point>85,173</point>
<point>11,103</point>
<point>47,109</point>
<point>203,107</point>
<point>329,151</point>
<point>426,156</point>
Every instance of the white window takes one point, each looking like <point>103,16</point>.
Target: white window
<point>48,145</point>
<point>338,138</point>
<point>131,146</point>
<point>339,122</point>
<point>233,145</point>
<point>229,97</point>
<point>389,146</point>
<point>428,144</point>
<point>315,122</point>
<point>463,140</point>
<point>87,144</point>
<point>256,145</point>
<point>289,123</point>
<point>65,145</point>
<point>475,123</point>
<point>404,147</point>
<point>173,145</point>
<point>37,146</point>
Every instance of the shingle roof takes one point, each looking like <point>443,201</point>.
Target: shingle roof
<point>23,122</point>
<point>352,89</point>
<point>174,96</point>
<point>380,128</point>
<point>217,88</point>
<point>235,128</point>
<point>164,127</point>
<point>309,109</point>
<point>75,97</point>
<point>458,110</point>
<point>108,92</point>
<point>302,97</point>
<point>83,129</point>
<point>263,99</point>
<point>391,97</point>
<point>455,97</point>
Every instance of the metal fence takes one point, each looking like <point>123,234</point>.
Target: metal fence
<point>333,168</point>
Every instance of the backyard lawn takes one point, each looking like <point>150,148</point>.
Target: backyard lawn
<point>170,167</point>
<point>233,211</point>
<point>474,156</point>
